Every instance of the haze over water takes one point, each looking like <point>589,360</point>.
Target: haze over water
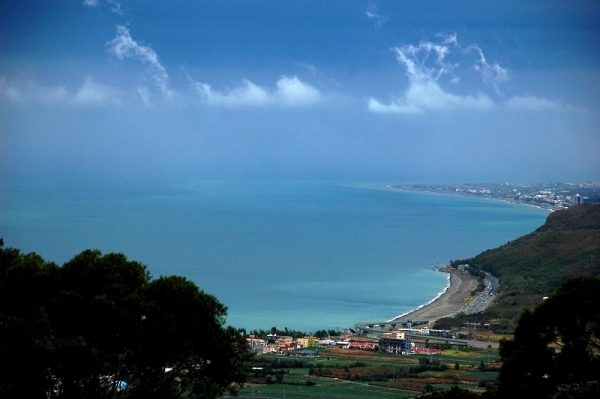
<point>305,255</point>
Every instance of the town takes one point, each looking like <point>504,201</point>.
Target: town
<point>388,339</point>
<point>551,196</point>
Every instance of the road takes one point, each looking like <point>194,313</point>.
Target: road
<point>485,297</point>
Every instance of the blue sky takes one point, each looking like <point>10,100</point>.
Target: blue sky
<point>106,92</point>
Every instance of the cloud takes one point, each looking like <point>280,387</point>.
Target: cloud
<point>373,13</point>
<point>428,95</point>
<point>94,93</point>
<point>426,64</point>
<point>116,6</point>
<point>123,46</point>
<point>311,68</point>
<point>90,93</point>
<point>289,92</point>
<point>428,67</point>
<point>532,103</point>
<point>248,94</point>
<point>493,74</point>
<point>292,92</point>
<point>395,107</point>
<point>144,95</point>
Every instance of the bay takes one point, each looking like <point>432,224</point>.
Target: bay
<point>305,255</point>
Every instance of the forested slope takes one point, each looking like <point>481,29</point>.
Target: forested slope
<point>533,266</point>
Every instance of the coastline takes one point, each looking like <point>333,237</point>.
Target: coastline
<point>450,301</point>
<point>460,285</point>
<point>547,207</point>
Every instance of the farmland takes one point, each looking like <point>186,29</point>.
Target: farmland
<point>340,373</point>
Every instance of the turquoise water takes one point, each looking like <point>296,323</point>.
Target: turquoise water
<point>299,254</point>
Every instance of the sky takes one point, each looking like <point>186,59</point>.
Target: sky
<point>117,92</point>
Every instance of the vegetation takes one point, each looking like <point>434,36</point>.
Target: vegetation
<point>533,266</point>
<point>356,374</point>
<point>556,349</point>
<point>101,327</point>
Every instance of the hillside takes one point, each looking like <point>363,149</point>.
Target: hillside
<point>533,266</point>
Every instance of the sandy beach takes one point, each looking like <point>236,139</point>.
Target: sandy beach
<point>461,286</point>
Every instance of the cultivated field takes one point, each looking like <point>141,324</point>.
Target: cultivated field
<point>340,373</point>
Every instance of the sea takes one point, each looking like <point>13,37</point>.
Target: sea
<point>296,254</point>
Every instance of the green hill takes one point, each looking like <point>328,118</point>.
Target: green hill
<point>533,266</point>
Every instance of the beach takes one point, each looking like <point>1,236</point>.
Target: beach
<point>451,301</point>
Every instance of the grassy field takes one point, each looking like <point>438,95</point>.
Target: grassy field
<point>324,389</point>
<point>339,373</point>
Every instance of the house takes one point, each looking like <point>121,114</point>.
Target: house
<point>365,346</point>
<point>306,341</point>
<point>394,343</point>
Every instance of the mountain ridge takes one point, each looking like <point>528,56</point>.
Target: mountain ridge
<point>533,266</point>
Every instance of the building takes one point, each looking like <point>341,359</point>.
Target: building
<point>395,345</point>
<point>362,345</point>
<point>307,341</point>
<point>283,340</point>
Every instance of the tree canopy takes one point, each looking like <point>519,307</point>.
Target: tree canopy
<point>100,327</point>
<point>555,352</point>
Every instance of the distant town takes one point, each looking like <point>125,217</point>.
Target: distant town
<point>551,196</point>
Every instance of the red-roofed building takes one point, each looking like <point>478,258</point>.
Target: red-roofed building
<point>365,346</point>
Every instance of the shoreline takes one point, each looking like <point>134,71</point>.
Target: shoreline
<point>460,285</point>
<point>438,296</point>
<point>448,302</point>
<point>548,208</point>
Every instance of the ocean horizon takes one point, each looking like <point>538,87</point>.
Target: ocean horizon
<point>306,255</point>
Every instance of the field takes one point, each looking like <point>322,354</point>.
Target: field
<point>340,373</point>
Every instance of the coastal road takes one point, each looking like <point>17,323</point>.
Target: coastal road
<point>485,297</point>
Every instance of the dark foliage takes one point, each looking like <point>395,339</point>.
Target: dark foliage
<point>274,330</point>
<point>422,367</point>
<point>100,327</point>
<point>556,349</point>
<point>454,393</point>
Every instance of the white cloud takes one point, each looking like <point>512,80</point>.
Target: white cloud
<point>29,92</point>
<point>532,103</point>
<point>393,107</point>
<point>311,68</point>
<point>373,13</point>
<point>144,95</point>
<point>289,92</point>
<point>425,65</point>
<point>116,6</point>
<point>428,95</point>
<point>90,93</point>
<point>94,93</point>
<point>248,94</point>
<point>292,92</point>
<point>493,74</point>
<point>123,46</point>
